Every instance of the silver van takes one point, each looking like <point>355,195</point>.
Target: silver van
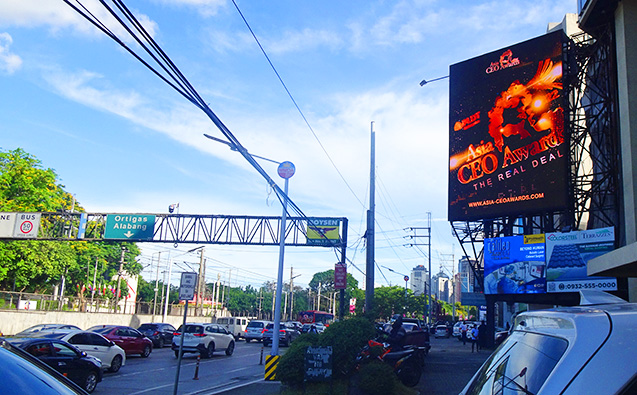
<point>255,330</point>
<point>235,325</point>
<point>587,349</point>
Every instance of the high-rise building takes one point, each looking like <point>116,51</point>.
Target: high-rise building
<point>467,276</point>
<point>419,279</point>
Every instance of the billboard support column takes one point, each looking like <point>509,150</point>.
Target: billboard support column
<point>490,336</point>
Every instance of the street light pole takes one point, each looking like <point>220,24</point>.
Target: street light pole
<point>285,170</point>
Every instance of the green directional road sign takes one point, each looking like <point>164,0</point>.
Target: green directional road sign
<point>129,227</point>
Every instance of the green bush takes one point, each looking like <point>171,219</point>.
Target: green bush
<point>291,367</point>
<point>377,378</point>
<point>346,338</point>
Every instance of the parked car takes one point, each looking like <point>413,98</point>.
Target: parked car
<point>587,349</point>
<point>442,331</point>
<point>110,354</point>
<point>130,339</point>
<point>255,330</point>
<point>318,325</point>
<point>46,328</point>
<point>82,369</point>
<point>287,334</point>
<point>203,338</point>
<point>159,333</point>
<point>22,373</point>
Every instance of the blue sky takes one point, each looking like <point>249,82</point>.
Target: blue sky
<point>122,141</point>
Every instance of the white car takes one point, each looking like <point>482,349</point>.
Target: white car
<point>112,356</point>
<point>203,338</point>
<point>586,349</point>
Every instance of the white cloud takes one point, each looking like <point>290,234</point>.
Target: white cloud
<point>205,8</point>
<point>57,16</point>
<point>9,62</point>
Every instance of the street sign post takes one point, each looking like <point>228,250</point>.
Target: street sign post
<point>187,288</point>
<point>129,227</point>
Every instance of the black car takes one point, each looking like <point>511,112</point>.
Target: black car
<point>159,333</point>
<point>82,369</point>
<point>25,374</point>
<point>287,334</point>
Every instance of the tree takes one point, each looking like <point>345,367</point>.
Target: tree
<point>38,266</point>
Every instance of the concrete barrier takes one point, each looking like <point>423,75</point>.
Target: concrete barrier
<point>14,321</point>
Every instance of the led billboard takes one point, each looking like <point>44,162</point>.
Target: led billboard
<point>508,153</point>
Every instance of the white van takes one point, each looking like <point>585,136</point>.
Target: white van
<point>235,325</point>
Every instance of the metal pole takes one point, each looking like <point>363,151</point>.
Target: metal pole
<point>369,267</point>
<point>170,268</point>
<point>119,278</point>
<point>279,282</point>
<point>181,347</point>
<point>341,307</point>
<point>156,285</point>
<point>429,256</point>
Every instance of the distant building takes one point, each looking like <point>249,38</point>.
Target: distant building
<point>441,286</point>
<point>467,276</point>
<point>418,279</point>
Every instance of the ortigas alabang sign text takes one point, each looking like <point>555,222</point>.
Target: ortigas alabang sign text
<point>507,147</point>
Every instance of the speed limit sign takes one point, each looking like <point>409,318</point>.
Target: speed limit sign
<point>26,225</point>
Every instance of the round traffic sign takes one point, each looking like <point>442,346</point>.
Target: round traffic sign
<point>286,169</point>
<point>26,227</point>
<point>406,278</point>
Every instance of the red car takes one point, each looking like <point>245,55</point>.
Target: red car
<point>130,339</point>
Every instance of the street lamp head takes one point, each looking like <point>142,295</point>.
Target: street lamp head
<point>425,82</point>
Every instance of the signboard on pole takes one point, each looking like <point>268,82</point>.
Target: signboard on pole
<point>187,286</point>
<point>323,231</point>
<point>318,363</point>
<point>340,276</point>
<point>129,227</point>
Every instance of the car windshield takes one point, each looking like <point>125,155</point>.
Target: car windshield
<point>146,327</point>
<point>101,329</point>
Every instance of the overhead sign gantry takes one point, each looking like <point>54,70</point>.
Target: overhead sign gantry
<point>174,228</point>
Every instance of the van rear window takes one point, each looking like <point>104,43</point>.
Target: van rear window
<point>523,361</point>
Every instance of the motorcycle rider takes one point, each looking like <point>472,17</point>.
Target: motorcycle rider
<point>397,333</point>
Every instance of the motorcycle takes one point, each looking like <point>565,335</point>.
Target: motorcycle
<point>407,362</point>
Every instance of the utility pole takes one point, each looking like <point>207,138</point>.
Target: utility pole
<point>415,236</point>
<point>369,265</point>
<point>156,286</point>
<point>200,284</point>
<point>119,277</point>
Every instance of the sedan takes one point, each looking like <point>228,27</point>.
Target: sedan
<point>127,338</point>
<point>287,334</point>
<point>82,369</point>
<point>159,333</point>
<point>112,356</point>
<point>22,373</point>
<point>46,328</point>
